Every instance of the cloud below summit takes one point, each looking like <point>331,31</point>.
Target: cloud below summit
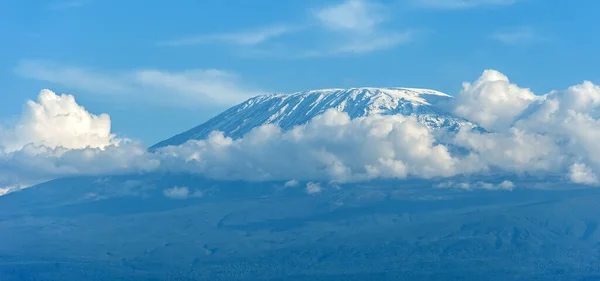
<point>528,134</point>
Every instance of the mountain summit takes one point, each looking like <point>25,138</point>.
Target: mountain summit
<point>289,110</point>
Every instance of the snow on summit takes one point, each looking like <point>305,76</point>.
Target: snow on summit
<point>289,110</point>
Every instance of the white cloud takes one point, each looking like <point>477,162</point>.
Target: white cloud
<point>356,27</point>
<point>519,36</point>
<point>8,189</point>
<point>246,38</point>
<point>572,118</point>
<point>181,192</point>
<point>358,16</point>
<point>177,192</point>
<point>390,40</point>
<point>77,78</point>
<point>58,121</point>
<point>513,151</point>
<point>56,137</point>
<point>492,101</point>
<point>291,183</point>
<point>554,133</point>
<point>550,134</point>
<point>580,173</point>
<point>197,86</point>
<point>313,188</point>
<point>463,4</point>
<point>329,147</point>
<point>348,27</point>
<point>202,87</point>
<point>361,45</point>
<point>505,185</point>
<point>34,164</point>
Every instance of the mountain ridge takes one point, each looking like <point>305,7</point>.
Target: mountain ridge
<point>290,110</point>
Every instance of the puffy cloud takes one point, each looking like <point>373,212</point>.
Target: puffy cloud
<point>552,133</point>
<point>34,164</point>
<point>313,188</point>
<point>181,192</point>
<point>580,173</point>
<point>329,147</point>
<point>513,151</point>
<point>505,185</point>
<point>58,121</point>
<point>57,137</point>
<point>492,101</point>
<point>291,183</point>
<point>177,192</point>
<point>571,119</point>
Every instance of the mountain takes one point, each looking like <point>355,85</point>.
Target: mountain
<point>128,228</point>
<point>289,110</point>
<point>179,226</point>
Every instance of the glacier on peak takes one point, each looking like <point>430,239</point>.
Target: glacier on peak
<point>290,110</point>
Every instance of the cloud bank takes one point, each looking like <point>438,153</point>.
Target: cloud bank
<point>329,147</point>
<point>527,134</point>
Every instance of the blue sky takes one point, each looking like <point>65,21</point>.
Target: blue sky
<point>161,67</point>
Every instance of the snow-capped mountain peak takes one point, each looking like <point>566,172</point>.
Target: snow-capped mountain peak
<point>289,110</point>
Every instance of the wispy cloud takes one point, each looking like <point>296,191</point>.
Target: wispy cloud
<point>361,45</point>
<point>183,88</point>
<point>356,28</point>
<point>72,76</point>
<point>356,16</point>
<point>518,36</point>
<point>463,4</point>
<point>248,37</point>
<point>347,27</point>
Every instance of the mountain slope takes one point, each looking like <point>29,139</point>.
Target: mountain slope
<point>128,228</point>
<point>289,110</point>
